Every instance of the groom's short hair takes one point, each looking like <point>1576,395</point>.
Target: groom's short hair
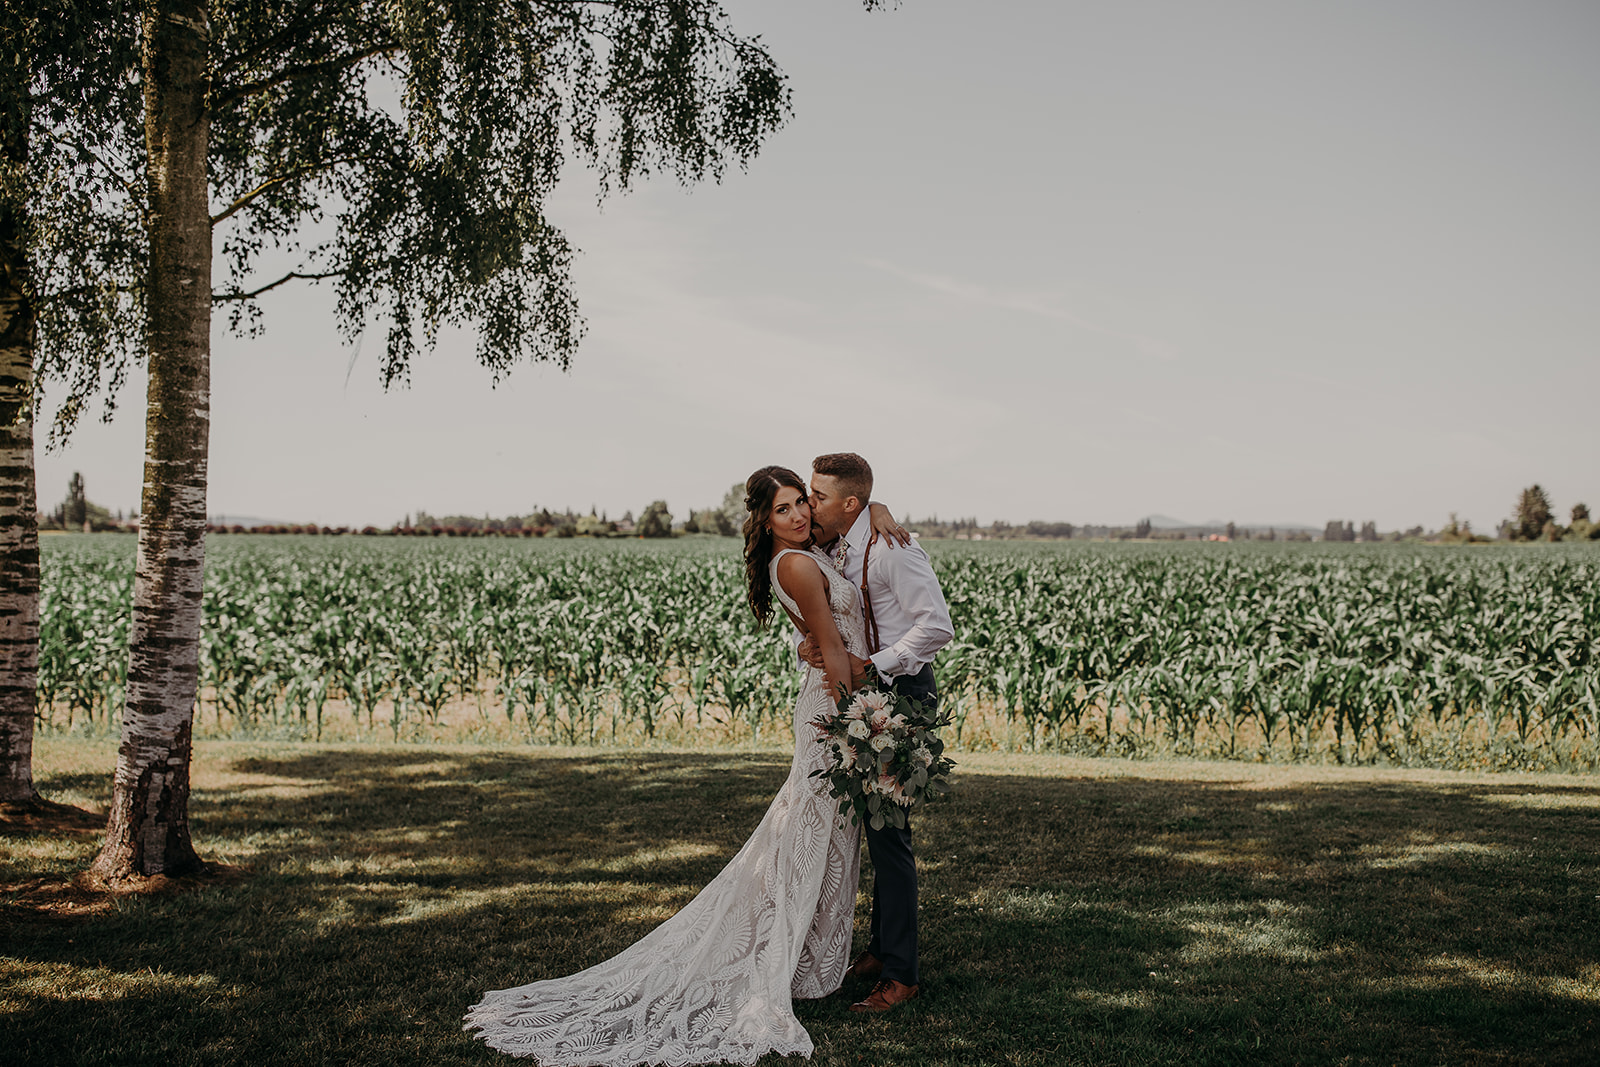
<point>853,473</point>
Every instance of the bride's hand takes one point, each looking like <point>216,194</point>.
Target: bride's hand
<point>883,525</point>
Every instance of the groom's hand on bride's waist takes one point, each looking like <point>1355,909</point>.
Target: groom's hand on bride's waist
<point>858,666</point>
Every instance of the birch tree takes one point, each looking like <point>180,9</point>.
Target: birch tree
<point>148,829</point>
<point>70,241</point>
<point>261,116</point>
<point>19,528</point>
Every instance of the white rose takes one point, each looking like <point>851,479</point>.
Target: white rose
<point>880,742</point>
<point>857,728</point>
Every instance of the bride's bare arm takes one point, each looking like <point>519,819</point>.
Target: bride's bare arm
<point>883,525</point>
<point>802,579</point>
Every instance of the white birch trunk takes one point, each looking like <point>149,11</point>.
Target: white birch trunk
<point>19,524</point>
<point>148,829</point>
<point>19,528</point>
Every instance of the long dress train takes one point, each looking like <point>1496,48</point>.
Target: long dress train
<point>713,983</point>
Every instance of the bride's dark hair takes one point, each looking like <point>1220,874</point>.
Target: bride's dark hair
<point>759,490</point>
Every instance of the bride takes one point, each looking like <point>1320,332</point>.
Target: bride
<point>713,984</point>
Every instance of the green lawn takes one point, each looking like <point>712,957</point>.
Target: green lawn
<point>1073,910</point>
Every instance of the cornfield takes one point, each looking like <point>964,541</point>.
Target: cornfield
<point>1486,656</point>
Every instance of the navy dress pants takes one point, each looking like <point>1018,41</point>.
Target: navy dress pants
<point>894,881</point>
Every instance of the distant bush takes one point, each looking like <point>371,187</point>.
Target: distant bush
<point>656,520</point>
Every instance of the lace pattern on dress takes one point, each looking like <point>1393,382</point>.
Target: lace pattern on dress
<point>713,983</point>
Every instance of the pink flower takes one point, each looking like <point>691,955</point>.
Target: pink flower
<point>891,787</point>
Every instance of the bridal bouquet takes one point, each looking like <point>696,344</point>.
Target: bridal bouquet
<point>884,759</point>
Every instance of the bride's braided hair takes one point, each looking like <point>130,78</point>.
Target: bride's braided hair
<point>759,490</point>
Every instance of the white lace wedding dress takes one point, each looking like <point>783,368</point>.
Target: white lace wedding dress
<point>713,983</point>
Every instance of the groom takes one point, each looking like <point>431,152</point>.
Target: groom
<point>912,623</point>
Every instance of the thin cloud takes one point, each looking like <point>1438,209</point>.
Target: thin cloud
<point>1149,346</point>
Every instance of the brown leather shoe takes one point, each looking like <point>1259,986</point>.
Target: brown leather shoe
<point>865,965</point>
<point>885,995</point>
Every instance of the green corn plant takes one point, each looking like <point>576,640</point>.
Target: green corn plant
<point>1353,652</point>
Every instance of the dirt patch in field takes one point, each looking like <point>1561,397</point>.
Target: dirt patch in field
<point>56,900</point>
<point>51,900</point>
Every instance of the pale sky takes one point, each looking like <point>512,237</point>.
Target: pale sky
<point>1268,262</point>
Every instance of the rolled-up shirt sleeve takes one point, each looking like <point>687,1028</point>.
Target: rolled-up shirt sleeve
<point>916,594</point>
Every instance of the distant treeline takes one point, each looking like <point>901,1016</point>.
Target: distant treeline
<point>1533,520</point>
<point>539,523</point>
<point>971,530</point>
<point>78,512</point>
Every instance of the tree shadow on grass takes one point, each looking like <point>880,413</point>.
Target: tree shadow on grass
<point>1223,921</point>
<point>1063,920</point>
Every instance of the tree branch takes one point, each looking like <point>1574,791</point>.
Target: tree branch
<point>239,294</point>
<point>54,295</point>
<point>272,183</point>
<point>129,185</point>
<point>294,30</point>
<point>239,92</point>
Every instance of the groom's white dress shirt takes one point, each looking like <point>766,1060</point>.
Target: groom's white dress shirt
<point>913,620</point>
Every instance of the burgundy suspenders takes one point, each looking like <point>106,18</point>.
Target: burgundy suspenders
<point>866,601</point>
